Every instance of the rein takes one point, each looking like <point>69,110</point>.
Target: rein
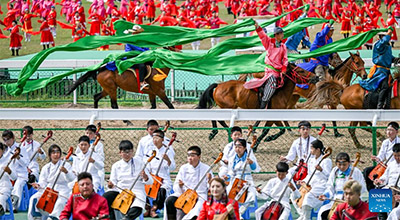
<point>295,75</point>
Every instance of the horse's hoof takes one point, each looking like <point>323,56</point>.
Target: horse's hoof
<point>128,123</point>
<point>212,134</point>
<point>337,134</point>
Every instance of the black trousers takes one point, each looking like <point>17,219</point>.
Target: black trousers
<point>132,213</point>
<point>142,70</point>
<point>171,210</point>
<point>383,93</point>
<point>159,201</point>
<point>369,183</point>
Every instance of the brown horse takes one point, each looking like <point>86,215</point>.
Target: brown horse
<point>232,94</point>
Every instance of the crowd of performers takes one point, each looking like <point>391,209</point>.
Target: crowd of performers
<point>140,181</point>
<point>354,18</point>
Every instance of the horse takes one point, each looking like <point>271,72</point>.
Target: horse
<point>351,97</point>
<point>232,95</point>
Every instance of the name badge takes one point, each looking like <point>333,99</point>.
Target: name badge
<point>380,200</point>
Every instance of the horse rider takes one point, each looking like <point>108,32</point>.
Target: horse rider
<point>319,65</point>
<point>276,62</point>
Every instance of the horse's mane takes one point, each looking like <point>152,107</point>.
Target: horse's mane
<point>334,71</point>
<point>327,92</point>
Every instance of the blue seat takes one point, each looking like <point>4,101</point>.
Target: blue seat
<point>314,213</point>
<point>101,191</point>
<point>25,199</point>
<point>9,216</point>
<point>250,209</point>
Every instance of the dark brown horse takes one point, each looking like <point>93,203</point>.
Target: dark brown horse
<point>232,95</point>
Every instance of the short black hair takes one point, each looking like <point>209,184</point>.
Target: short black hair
<point>343,156</point>
<point>91,128</point>
<point>28,129</point>
<point>85,175</point>
<point>282,167</point>
<point>317,144</point>
<point>396,148</point>
<point>125,145</point>
<point>394,125</point>
<point>242,142</point>
<point>2,146</point>
<point>195,148</point>
<point>305,124</point>
<point>84,138</point>
<point>152,123</point>
<point>51,148</point>
<point>236,128</point>
<point>158,132</point>
<point>8,134</point>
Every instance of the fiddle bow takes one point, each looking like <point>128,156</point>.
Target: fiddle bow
<point>49,135</point>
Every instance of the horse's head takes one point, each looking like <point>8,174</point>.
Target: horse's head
<point>356,65</point>
<point>300,75</point>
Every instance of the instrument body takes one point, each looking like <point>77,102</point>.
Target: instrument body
<point>126,197</point>
<point>50,196</point>
<point>379,170</point>
<point>224,216</point>
<point>188,199</point>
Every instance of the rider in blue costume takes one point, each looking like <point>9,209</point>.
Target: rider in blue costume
<point>320,65</point>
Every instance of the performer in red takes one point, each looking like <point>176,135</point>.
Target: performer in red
<point>27,24</point>
<point>106,31</point>
<point>214,23</point>
<point>15,39</point>
<point>46,37</point>
<point>52,20</point>
<point>79,31</point>
<point>368,25</point>
<point>358,28</point>
<point>151,10</point>
<point>95,22</point>
<point>346,25</point>
<point>87,204</point>
<point>165,20</point>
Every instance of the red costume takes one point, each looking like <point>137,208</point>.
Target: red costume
<point>46,37</point>
<point>208,211</point>
<point>15,38</point>
<point>346,25</point>
<point>52,18</point>
<point>27,23</point>
<point>360,211</point>
<point>95,24</point>
<point>106,31</point>
<point>85,209</point>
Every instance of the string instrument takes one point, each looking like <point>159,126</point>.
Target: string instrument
<point>188,199</point>
<point>337,202</point>
<point>125,199</point>
<point>239,183</point>
<point>167,124</point>
<point>152,190</point>
<point>251,132</point>
<point>224,215</point>
<point>303,171</point>
<point>50,196</point>
<point>75,189</point>
<point>378,171</point>
<point>14,156</point>
<point>275,209</point>
<point>49,135</point>
<point>306,187</point>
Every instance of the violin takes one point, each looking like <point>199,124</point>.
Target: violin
<point>49,135</point>
<point>303,171</point>
<point>50,196</point>
<point>305,188</point>
<point>188,199</point>
<point>125,199</point>
<point>275,209</point>
<point>152,190</point>
<point>379,170</point>
<point>239,183</point>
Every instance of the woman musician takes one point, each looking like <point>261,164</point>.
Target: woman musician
<point>5,183</point>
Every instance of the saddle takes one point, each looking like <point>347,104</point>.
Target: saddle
<point>371,99</point>
<point>135,71</point>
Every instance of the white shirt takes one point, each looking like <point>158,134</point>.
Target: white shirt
<point>386,149</point>
<point>191,176</point>
<point>275,187</point>
<point>229,152</point>
<point>319,178</point>
<point>235,169</point>
<point>19,166</point>
<point>391,173</point>
<point>31,149</point>
<point>165,169</point>
<point>5,183</point>
<point>80,162</point>
<point>99,149</point>
<point>145,142</point>
<point>49,173</point>
<point>123,174</point>
<point>300,148</point>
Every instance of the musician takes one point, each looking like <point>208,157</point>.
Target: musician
<point>318,181</point>
<point>152,125</point>
<point>395,213</point>
<point>385,151</point>
<point>392,171</point>
<point>274,190</point>
<point>123,172</point>
<point>19,166</point>
<point>338,176</point>
<point>189,175</point>
<point>5,183</point>
<point>218,202</point>
<point>81,160</point>
<point>31,146</point>
<point>167,166</point>
<point>87,204</point>
<point>47,177</point>
<point>353,208</point>
<point>235,169</point>
<point>229,151</point>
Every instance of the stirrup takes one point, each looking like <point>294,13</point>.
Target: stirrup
<point>144,86</point>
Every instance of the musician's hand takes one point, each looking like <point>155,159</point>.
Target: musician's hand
<point>319,168</point>
<point>8,170</point>
<point>282,158</point>
<point>209,177</point>
<point>256,24</point>
<point>64,170</point>
<point>110,184</point>
<point>291,186</point>
<point>350,178</point>
<point>378,182</point>
<point>375,158</point>
<point>144,176</point>
<point>250,161</point>
<point>229,208</point>
<point>322,197</point>
<point>181,184</point>
<point>258,189</point>
<point>300,182</point>
<point>225,161</point>
<point>396,197</point>
<point>225,177</point>
<point>35,185</point>
<point>91,160</point>
<point>166,158</point>
<point>40,151</point>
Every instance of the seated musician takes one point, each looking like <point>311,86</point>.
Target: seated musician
<point>235,169</point>
<point>47,177</point>
<point>274,190</point>
<point>395,213</point>
<point>123,173</point>
<point>84,157</point>
<point>229,151</point>
<point>338,176</point>
<point>318,181</point>
<point>301,146</point>
<point>353,208</point>
<point>385,151</point>
<point>19,166</point>
<point>188,177</point>
<point>218,202</point>
<point>147,140</point>
<point>87,204</point>
<point>90,131</point>
<point>31,146</point>
<point>5,183</point>
<point>167,166</point>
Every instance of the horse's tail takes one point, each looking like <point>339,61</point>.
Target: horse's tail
<point>206,99</point>
<point>84,78</point>
<point>326,93</point>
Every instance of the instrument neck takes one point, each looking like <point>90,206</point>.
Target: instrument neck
<point>36,152</point>
<point>90,155</point>
<point>204,176</point>
<point>8,165</point>
<point>58,174</point>
<point>387,161</point>
<point>315,170</point>
<point>137,178</point>
<point>245,164</point>
<point>162,160</point>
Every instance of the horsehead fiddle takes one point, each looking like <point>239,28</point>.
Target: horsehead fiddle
<point>303,171</point>
<point>49,135</point>
<point>125,199</point>
<point>188,199</point>
<point>16,153</point>
<point>224,215</point>
<point>239,183</point>
<point>50,196</point>
<point>379,170</point>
